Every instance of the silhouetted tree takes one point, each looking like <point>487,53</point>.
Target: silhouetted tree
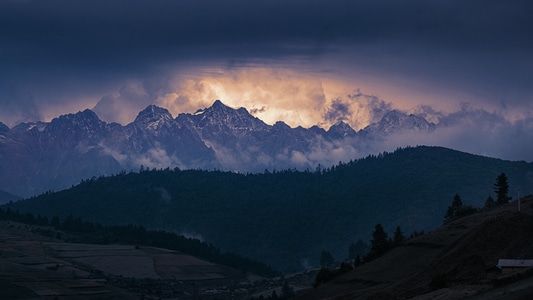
<point>501,188</point>
<point>451,213</point>
<point>380,242</point>
<point>398,236</point>
<point>489,203</point>
<point>458,209</point>
<point>323,276</point>
<point>358,248</point>
<point>357,261</point>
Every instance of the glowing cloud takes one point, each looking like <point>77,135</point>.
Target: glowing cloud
<point>274,94</point>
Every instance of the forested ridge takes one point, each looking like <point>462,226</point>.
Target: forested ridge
<point>287,217</point>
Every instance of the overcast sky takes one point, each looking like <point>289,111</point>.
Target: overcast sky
<point>303,62</point>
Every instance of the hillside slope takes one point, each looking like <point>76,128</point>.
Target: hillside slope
<point>39,262</point>
<point>454,261</point>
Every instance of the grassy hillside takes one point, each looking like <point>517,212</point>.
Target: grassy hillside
<point>39,262</point>
<point>455,261</point>
<point>286,218</point>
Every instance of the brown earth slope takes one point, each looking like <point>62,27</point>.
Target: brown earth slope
<point>455,261</point>
<point>35,264</point>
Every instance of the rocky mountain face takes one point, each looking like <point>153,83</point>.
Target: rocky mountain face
<point>36,157</point>
<point>395,121</point>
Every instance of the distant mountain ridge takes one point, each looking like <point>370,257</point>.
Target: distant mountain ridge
<point>5,197</point>
<point>39,156</point>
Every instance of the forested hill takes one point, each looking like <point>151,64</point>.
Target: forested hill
<point>286,218</point>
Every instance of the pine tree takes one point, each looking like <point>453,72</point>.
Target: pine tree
<point>458,210</point>
<point>501,188</point>
<point>357,261</point>
<point>451,213</point>
<point>398,236</point>
<point>357,248</point>
<point>489,203</point>
<point>380,242</point>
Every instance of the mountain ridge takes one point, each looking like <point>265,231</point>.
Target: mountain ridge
<point>41,156</point>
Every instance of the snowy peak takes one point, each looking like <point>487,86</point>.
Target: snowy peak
<point>396,120</point>
<point>81,118</point>
<point>219,105</point>
<point>80,145</point>
<point>341,130</point>
<point>281,124</point>
<point>220,117</point>
<point>3,128</point>
<point>84,121</point>
<point>154,117</point>
<point>23,127</point>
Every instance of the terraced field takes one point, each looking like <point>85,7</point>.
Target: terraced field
<point>37,266</point>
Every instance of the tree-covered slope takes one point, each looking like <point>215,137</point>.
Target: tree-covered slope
<point>287,218</point>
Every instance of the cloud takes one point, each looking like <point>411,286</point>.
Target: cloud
<point>123,108</point>
<point>119,156</point>
<point>338,111</point>
<point>296,61</point>
<point>19,106</point>
<point>157,158</point>
<point>357,109</point>
<point>272,94</point>
<point>472,130</point>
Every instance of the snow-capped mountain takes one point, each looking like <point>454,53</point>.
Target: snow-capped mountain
<point>3,128</point>
<point>36,157</point>
<point>395,121</point>
<point>341,130</point>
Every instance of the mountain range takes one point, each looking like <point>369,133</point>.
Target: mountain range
<point>41,156</point>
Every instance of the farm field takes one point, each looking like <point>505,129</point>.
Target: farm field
<point>34,265</point>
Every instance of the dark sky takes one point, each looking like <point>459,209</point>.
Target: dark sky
<point>291,60</point>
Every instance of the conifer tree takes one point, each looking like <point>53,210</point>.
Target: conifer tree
<point>357,248</point>
<point>501,188</point>
<point>398,236</point>
<point>380,240</point>
<point>452,209</point>
<point>489,203</point>
<point>458,209</point>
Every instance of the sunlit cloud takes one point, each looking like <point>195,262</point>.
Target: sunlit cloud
<point>270,94</point>
<point>123,106</point>
<point>276,94</point>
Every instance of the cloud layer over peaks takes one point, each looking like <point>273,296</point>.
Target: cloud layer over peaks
<point>295,61</point>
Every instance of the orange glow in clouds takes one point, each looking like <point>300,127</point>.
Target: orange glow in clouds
<point>272,95</point>
<point>297,98</point>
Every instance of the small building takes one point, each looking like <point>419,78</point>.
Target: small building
<point>513,265</point>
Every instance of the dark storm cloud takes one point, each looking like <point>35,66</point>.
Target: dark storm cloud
<point>116,33</point>
<point>338,111</point>
<point>56,51</point>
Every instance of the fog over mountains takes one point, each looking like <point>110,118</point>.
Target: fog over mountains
<point>36,157</point>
